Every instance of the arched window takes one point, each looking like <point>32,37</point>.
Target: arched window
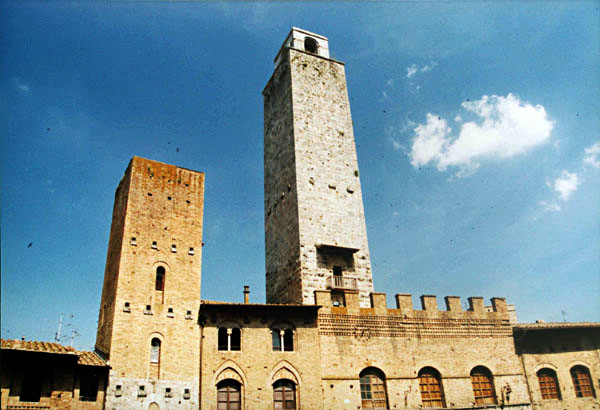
<point>229,395</point>
<point>160,278</point>
<point>548,384</point>
<point>430,384</point>
<point>483,386</point>
<point>229,338</point>
<point>582,381</point>
<point>311,45</point>
<point>372,389</point>
<point>283,340</point>
<point>155,350</point>
<point>284,395</point>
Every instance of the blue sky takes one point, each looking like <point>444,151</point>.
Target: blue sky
<point>477,130</point>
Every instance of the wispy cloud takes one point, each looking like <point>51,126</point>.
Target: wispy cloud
<point>550,206</point>
<point>22,85</point>
<point>507,127</point>
<point>591,155</point>
<point>414,69</point>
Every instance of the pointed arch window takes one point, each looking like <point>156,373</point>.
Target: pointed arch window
<point>430,384</point>
<point>160,279</point>
<point>229,395</point>
<point>582,381</point>
<point>483,385</point>
<point>284,395</point>
<point>372,389</point>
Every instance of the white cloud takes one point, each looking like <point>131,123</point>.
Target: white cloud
<point>566,184</point>
<point>411,70</point>
<point>507,127</point>
<point>458,118</point>
<point>591,155</point>
<point>550,206</point>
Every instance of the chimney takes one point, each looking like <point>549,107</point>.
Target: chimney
<point>246,294</point>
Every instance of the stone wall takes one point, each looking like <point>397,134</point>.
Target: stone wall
<point>256,366</point>
<point>402,341</point>
<point>559,349</point>
<point>157,224</point>
<point>313,198</point>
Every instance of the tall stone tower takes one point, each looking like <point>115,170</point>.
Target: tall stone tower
<point>315,233</point>
<point>148,325</point>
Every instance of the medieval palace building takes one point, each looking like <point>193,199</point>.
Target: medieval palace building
<point>325,339</point>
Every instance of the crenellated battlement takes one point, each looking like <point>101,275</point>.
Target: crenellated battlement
<point>404,306</point>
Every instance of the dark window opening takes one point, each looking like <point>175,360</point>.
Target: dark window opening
<point>154,245</point>
<point>229,339</point>
<point>169,198</point>
<point>288,340</point>
<point>276,340</point>
<point>160,278</point>
<point>311,45</point>
<point>31,388</point>
<point>148,308</point>
<point>236,339</point>
<point>88,386</point>
<point>337,270</point>
<point>284,394</point>
<point>170,310</point>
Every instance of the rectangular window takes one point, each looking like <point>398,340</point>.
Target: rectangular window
<point>31,388</point>
<point>88,385</point>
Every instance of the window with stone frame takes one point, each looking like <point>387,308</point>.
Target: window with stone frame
<point>283,339</point>
<point>548,384</point>
<point>582,381</point>
<point>229,338</point>
<point>372,389</point>
<point>483,385</point>
<point>88,384</point>
<point>430,384</point>
<point>284,395</point>
<point>229,395</point>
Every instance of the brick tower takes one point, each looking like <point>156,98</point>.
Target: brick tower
<point>148,327</point>
<point>315,233</point>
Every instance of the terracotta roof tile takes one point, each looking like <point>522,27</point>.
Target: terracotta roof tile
<point>84,358</point>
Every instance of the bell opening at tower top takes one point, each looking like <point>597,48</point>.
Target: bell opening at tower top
<point>311,45</point>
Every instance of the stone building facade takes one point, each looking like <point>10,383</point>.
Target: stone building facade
<point>325,340</point>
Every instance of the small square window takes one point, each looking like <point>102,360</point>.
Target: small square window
<point>133,241</point>
<point>173,248</point>
<point>149,193</point>
<point>186,394</point>
<point>191,251</point>
<point>148,310</point>
<point>170,312</point>
<point>126,307</point>
<point>169,198</point>
<point>154,245</point>
<point>168,392</point>
<point>188,314</point>
<point>118,391</point>
<point>142,391</point>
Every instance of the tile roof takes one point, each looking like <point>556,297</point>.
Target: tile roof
<point>84,358</point>
<point>555,325</point>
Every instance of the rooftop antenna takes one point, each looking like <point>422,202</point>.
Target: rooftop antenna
<point>74,333</point>
<point>564,315</point>
<point>58,332</point>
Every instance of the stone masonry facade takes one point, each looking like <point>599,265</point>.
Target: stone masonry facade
<point>151,292</point>
<point>314,216</point>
